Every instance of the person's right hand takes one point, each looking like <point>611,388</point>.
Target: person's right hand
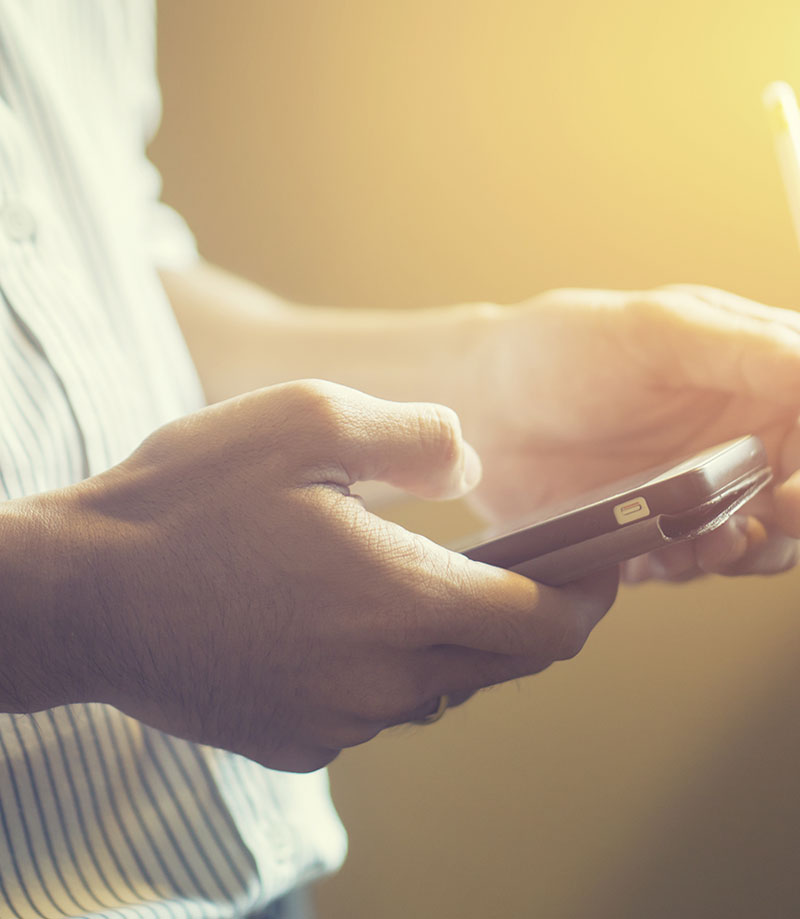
<point>247,601</point>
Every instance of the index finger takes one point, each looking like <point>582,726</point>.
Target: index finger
<point>506,613</point>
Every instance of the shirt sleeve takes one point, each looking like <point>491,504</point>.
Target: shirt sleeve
<point>169,241</point>
<point>168,238</point>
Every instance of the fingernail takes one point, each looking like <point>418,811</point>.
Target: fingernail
<point>473,469</point>
<point>755,531</point>
<point>737,539</point>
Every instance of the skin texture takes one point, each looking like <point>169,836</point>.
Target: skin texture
<point>638,379</point>
<point>260,607</point>
<point>224,584</point>
<point>566,391</point>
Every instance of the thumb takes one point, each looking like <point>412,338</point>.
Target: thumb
<point>416,446</point>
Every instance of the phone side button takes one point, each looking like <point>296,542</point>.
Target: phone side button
<point>630,510</point>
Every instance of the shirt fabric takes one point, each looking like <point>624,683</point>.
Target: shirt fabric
<point>100,815</point>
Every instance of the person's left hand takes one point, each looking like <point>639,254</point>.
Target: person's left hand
<point>583,387</point>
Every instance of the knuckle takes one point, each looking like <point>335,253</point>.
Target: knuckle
<point>657,304</point>
<point>311,395</point>
<point>574,642</point>
<point>565,627</point>
<point>317,405</point>
<point>587,608</point>
<point>571,638</point>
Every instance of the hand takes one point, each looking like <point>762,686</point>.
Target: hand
<point>246,599</point>
<point>584,387</point>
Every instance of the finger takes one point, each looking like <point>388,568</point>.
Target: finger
<point>636,570</point>
<point>773,554</point>
<point>504,613</point>
<point>740,547</point>
<point>713,552</point>
<point>753,352</point>
<point>558,632</point>
<point>646,568</point>
<point>457,673</point>
<point>673,563</point>
<point>788,460</point>
<point>416,446</point>
<point>738,305</point>
<point>723,548</point>
<point>454,698</point>
<point>787,506</point>
<point>467,640</point>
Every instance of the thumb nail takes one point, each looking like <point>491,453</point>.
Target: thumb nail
<point>473,470</point>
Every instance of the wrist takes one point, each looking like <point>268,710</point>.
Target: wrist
<point>49,628</point>
<point>435,354</point>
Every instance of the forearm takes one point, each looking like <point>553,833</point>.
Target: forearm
<point>241,338</point>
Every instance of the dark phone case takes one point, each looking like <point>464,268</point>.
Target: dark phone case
<point>692,497</point>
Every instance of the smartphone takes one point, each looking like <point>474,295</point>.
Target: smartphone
<point>658,507</point>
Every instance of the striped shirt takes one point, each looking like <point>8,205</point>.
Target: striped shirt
<point>101,816</point>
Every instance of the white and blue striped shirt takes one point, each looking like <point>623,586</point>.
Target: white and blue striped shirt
<point>101,816</point>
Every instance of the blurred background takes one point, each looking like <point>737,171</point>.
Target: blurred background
<point>402,154</point>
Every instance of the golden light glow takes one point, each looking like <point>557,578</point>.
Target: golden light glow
<point>397,154</point>
<point>378,153</point>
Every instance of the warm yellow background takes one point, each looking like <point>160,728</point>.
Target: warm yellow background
<point>413,152</point>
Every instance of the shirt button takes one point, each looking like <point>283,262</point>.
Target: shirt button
<point>17,221</point>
